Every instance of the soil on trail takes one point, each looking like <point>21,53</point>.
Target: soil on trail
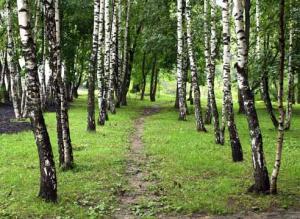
<point>8,124</point>
<point>137,176</point>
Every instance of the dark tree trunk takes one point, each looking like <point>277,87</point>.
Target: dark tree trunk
<point>240,102</point>
<point>191,99</point>
<point>144,74</point>
<point>176,105</point>
<point>267,99</point>
<point>153,81</point>
<point>208,116</point>
<point>298,88</point>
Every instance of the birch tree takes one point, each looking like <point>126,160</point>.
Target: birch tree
<point>12,65</point>
<point>264,84</point>
<point>280,135</point>
<point>182,107</point>
<point>194,72</point>
<point>91,125</point>
<point>207,59</point>
<point>100,66</point>
<point>291,76</point>
<point>261,176</point>
<point>228,115</point>
<point>53,36</point>
<point>113,57</point>
<point>48,183</point>
<point>211,75</point>
<point>107,35</point>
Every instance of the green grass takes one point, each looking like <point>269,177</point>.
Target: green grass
<point>197,175</point>
<point>194,174</point>
<point>88,190</point>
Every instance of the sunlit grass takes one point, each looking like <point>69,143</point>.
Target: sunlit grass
<point>194,174</point>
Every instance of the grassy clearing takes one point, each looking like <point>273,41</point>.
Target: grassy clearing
<point>88,190</point>
<point>193,174</point>
<point>197,175</point>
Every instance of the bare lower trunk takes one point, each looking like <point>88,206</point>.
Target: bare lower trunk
<point>144,74</point>
<point>194,72</point>
<point>48,183</point>
<point>91,124</point>
<point>280,136</point>
<point>113,58</point>
<point>12,64</point>
<point>180,79</point>
<point>208,116</point>
<point>211,75</point>
<point>291,77</point>
<point>53,35</point>
<point>267,99</point>
<point>261,177</point>
<point>228,113</point>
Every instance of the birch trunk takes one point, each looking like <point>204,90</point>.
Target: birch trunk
<point>207,59</point>
<point>125,62</point>
<point>194,71</point>
<point>48,183</point>
<point>107,39</point>
<point>113,58</point>
<point>211,75</point>
<point>68,151</point>
<point>280,134</point>
<point>12,65</point>
<point>53,36</point>
<point>261,178</point>
<point>291,78</point>
<point>228,114</point>
<point>100,67</point>
<point>180,79</point>
<point>265,77</point>
<point>91,125</point>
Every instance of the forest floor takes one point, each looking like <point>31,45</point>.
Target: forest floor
<point>144,163</point>
<point>7,122</point>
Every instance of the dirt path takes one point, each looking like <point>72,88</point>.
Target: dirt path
<point>138,178</point>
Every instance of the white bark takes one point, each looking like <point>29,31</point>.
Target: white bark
<point>180,77</point>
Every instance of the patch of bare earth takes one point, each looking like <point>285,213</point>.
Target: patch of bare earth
<point>8,124</point>
<point>137,176</point>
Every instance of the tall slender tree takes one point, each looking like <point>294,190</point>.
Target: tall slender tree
<point>194,72</point>
<point>100,66</point>
<point>280,136</point>
<point>113,57</point>
<point>236,148</point>
<point>107,40</point>
<point>182,107</point>
<point>53,36</point>
<point>125,58</point>
<point>291,72</point>
<point>261,176</point>
<point>48,183</point>
<point>12,65</point>
<point>211,74</point>
<point>91,125</point>
<point>207,58</point>
<point>264,84</point>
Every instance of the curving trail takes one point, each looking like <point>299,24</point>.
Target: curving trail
<point>137,177</point>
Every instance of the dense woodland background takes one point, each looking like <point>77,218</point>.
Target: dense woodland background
<point>171,83</point>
